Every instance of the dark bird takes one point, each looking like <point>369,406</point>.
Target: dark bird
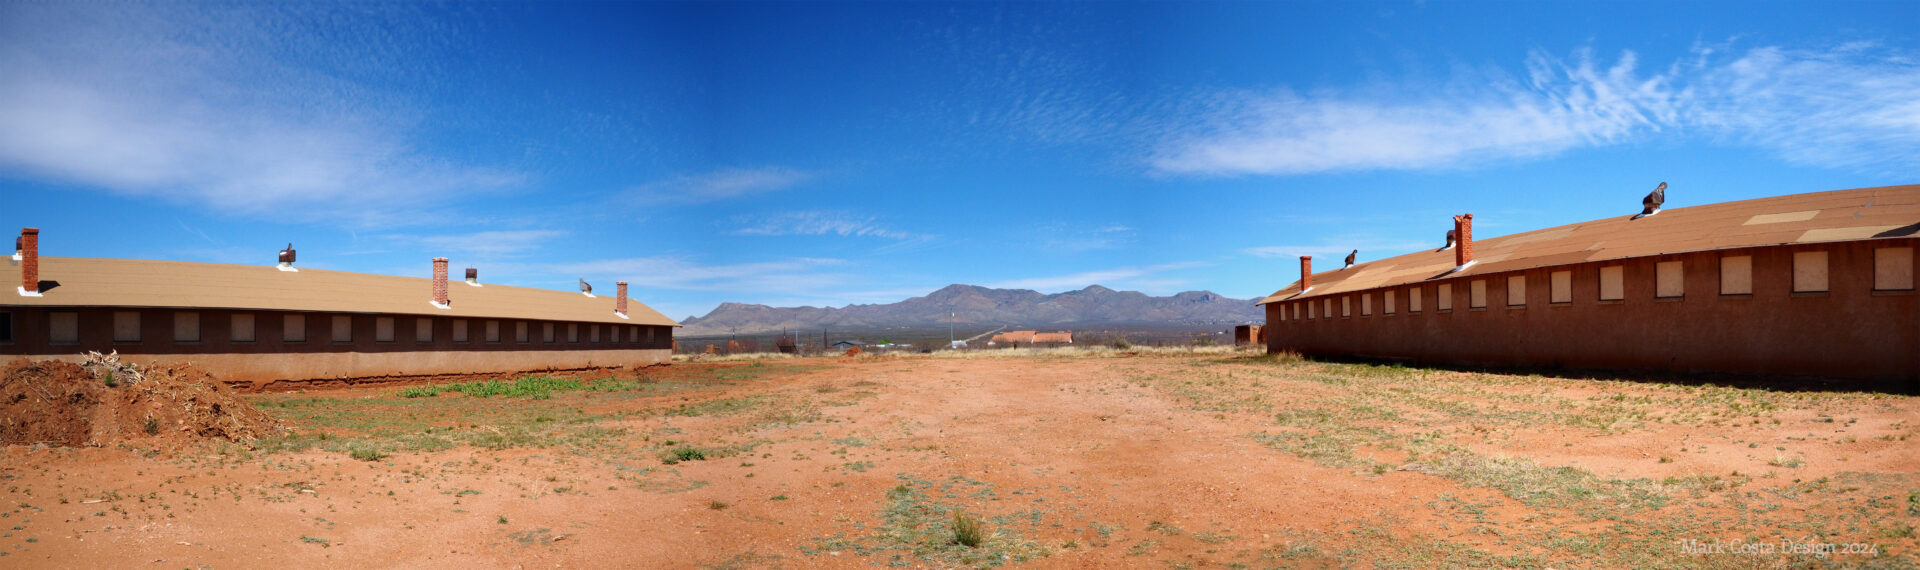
<point>585,288</point>
<point>1350,257</point>
<point>1450,239</point>
<point>1652,202</point>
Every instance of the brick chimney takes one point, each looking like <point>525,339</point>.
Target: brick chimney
<point>620,299</point>
<point>440,282</point>
<point>1306,273</point>
<point>1463,240</point>
<point>30,261</point>
<point>473,277</point>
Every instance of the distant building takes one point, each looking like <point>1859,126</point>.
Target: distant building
<point>262,323</point>
<point>1248,335</point>
<point>1814,284</point>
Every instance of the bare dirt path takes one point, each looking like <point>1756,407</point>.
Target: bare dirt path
<point>1067,462</point>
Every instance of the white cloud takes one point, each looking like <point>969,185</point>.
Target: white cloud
<point>1137,278</point>
<point>815,223</point>
<point>668,272</point>
<point>230,108</point>
<point>1852,107</point>
<point>722,184</point>
<point>488,243</point>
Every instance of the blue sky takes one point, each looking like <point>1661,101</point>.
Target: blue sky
<point>832,153</point>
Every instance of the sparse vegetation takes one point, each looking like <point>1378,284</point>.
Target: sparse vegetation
<point>967,531</point>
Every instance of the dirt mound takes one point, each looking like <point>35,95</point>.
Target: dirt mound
<point>106,401</point>
<point>853,351</point>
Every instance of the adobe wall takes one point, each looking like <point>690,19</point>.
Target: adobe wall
<point>262,369</point>
<point>1849,332</point>
<point>269,358</point>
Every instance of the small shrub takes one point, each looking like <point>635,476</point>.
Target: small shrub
<point>1120,343</point>
<point>109,379</point>
<point>152,426</point>
<point>716,505</point>
<point>366,453</point>
<point>966,530</point>
<point>503,519</point>
<point>689,454</point>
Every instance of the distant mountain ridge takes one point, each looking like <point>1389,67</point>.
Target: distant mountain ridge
<point>976,305</point>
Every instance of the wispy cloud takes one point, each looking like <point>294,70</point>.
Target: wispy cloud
<point>1143,278</point>
<point>670,272</point>
<point>817,223</point>
<point>1336,250</point>
<point>722,184</point>
<point>223,107</point>
<point>1853,106</point>
<point>501,243</point>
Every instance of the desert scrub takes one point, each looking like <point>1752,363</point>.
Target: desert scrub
<point>967,531</point>
<point>920,530</point>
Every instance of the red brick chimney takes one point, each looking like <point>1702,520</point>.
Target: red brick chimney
<point>1463,239</point>
<point>473,276</point>
<point>1306,272</point>
<point>30,261</point>
<point>620,301</point>
<point>440,282</point>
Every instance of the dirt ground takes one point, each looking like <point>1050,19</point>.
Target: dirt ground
<point>1148,461</point>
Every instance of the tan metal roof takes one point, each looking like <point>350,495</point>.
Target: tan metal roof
<point>90,282</point>
<point>1840,215</point>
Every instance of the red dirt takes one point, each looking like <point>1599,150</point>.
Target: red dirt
<point>1111,472</point>
<point>61,403</point>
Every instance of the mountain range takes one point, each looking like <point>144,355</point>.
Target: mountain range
<point>976,305</point>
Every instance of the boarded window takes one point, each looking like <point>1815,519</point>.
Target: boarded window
<point>293,327</point>
<point>383,329</point>
<point>546,332</point>
<point>1477,294</point>
<point>343,328</point>
<point>240,327</point>
<point>1517,291</point>
<point>1809,271</point>
<point>186,326</point>
<point>1326,307</point>
<point>1310,309</point>
<point>126,326</point>
<point>423,330</point>
<point>1366,304</point>
<point>1613,283</point>
<point>63,327</point>
<point>1413,300</point>
<point>1669,280</point>
<point>459,330</point>
<point>520,332</point>
<point>1388,297</point>
<point>6,327</point>
<point>1296,311</point>
<point>1346,306</point>
<point>573,332</point>
<point>1444,301</point>
<point>1561,283</point>
<point>1283,312</point>
<point>493,331</point>
<point>593,333</point>
<point>1736,275</point>
<point>650,334</point>
<point>1893,269</point>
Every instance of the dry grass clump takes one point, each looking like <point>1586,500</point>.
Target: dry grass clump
<point>1098,351</point>
<point>733,357</point>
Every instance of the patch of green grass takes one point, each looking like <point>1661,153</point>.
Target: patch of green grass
<point>967,531</point>
<point>315,540</point>
<point>365,453</point>
<point>683,453</point>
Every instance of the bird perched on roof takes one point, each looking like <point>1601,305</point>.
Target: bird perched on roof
<point>585,288</point>
<point>1350,257</point>
<point>1450,239</point>
<point>1651,203</point>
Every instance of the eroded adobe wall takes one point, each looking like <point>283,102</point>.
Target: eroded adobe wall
<point>1851,331</point>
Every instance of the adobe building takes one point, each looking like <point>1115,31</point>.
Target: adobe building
<point>267,323</point>
<point>1818,285</point>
